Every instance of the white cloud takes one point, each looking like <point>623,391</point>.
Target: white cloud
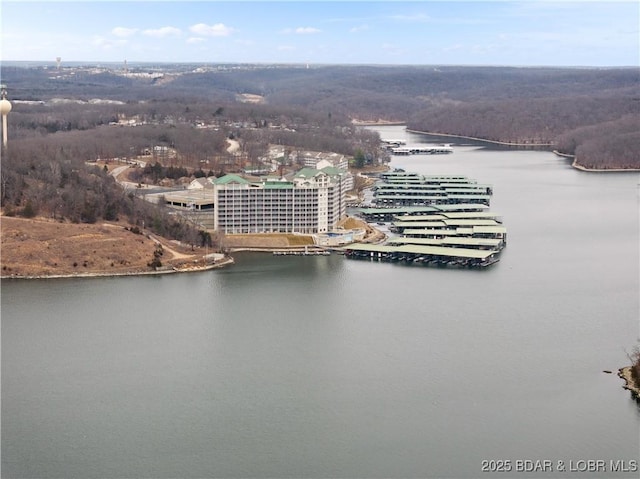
<point>123,31</point>
<point>301,30</point>
<point>217,30</point>
<point>358,29</point>
<point>286,48</point>
<point>307,30</point>
<point>195,40</point>
<point>414,18</point>
<point>105,43</point>
<point>163,32</point>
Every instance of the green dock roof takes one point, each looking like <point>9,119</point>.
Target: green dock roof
<point>422,209</point>
<point>439,232</point>
<point>451,215</point>
<point>489,230</point>
<point>461,241</point>
<point>423,250</point>
<point>445,223</point>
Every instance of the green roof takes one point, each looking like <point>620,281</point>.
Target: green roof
<point>423,250</point>
<point>230,178</point>
<point>448,215</point>
<point>312,172</point>
<point>461,206</point>
<point>470,214</point>
<point>489,229</point>
<point>422,209</point>
<point>464,241</point>
<point>332,171</point>
<point>446,222</point>
<point>419,224</point>
<point>471,222</point>
<point>307,173</point>
<point>431,217</point>
<point>423,231</point>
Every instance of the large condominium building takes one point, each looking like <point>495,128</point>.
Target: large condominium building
<point>311,201</point>
<point>319,160</point>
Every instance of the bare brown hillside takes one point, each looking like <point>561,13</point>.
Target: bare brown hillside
<point>42,247</point>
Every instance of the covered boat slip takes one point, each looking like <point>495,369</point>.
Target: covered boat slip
<point>418,150</point>
<point>399,188</point>
<point>450,241</point>
<point>390,213</point>
<point>450,215</point>
<point>423,254</point>
<point>499,232</point>
<point>403,188</point>
<point>404,175</point>
<point>442,224</point>
<point>447,223</point>
<point>442,220</point>
<point>419,198</point>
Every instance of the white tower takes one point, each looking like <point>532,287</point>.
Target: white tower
<point>5,108</point>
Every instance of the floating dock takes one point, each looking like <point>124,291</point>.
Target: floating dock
<point>302,253</point>
<point>422,150</point>
<point>388,213</point>
<point>425,255</point>
<point>399,188</point>
<point>389,143</point>
<point>439,220</point>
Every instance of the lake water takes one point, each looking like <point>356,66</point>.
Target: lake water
<point>328,367</point>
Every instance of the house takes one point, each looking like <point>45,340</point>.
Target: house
<point>202,183</point>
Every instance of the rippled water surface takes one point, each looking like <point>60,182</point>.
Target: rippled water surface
<point>328,367</point>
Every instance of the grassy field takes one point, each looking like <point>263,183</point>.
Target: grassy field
<point>267,240</point>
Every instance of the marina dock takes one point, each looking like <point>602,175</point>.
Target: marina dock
<point>425,255</point>
<point>410,189</point>
<point>302,253</point>
<point>433,220</point>
<point>422,150</point>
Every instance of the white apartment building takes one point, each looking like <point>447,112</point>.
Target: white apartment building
<point>311,201</point>
<point>318,160</point>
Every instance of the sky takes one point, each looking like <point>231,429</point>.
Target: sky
<point>498,32</point>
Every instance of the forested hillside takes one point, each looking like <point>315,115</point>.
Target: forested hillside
<point>57,136</point>
<point>507,104</point>
<point>62,118</point>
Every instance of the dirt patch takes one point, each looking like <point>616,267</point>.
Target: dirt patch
<point>267,241</point>
<point>42,247</point>
<point>372,235</point>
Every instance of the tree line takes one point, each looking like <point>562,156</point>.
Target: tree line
<point>508,104</point>
<point>593,114</point>
<point>50,166</point>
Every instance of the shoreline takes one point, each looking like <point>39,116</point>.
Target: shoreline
<point>578,166</point>
<point>376,123</point>
<point>630,384</point>
<point>484,140</point>
<point>574,163</point>
<point>34,248</point>
<point>228,260</point>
